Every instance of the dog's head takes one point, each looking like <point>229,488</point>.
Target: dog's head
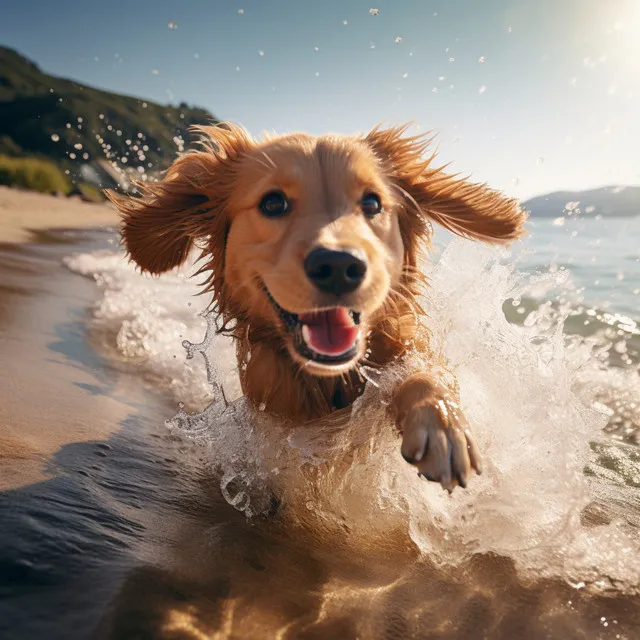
<point>308,237</point>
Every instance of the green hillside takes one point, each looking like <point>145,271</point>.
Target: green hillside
<point>73,124</point>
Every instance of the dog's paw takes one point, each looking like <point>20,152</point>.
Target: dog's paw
<point>436,439</point>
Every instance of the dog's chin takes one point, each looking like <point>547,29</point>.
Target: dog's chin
<point>326,341</point>
<point>324,368</point>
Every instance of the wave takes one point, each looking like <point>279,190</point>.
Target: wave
<point>559,493</point>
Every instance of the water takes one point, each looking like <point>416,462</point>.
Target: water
<point>254,528</point>
<point>601,255</point>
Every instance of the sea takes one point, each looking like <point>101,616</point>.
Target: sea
<point>211,519</point>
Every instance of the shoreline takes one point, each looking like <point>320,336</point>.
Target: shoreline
<point>57,390</point>
<point>25,213</point>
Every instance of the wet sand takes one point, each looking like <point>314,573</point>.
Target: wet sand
<point>114,529</point>
<point>42,398</point>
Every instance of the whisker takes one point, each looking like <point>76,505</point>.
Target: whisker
<point>369,363</point>
<point>271,162</point>
<point>410,299</point>
<point>407,195</point>
<point>261,162</point>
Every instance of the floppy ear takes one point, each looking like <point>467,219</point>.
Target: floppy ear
<point>468,209</point>
<point>159,227</point>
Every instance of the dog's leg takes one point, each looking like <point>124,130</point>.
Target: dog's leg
<point>435,434</point>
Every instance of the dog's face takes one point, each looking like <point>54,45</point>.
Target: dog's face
<point>314,245</point>
<point>308,236</point>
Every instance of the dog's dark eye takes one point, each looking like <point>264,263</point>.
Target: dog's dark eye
<point>371,204</point>
<point>274,204</point>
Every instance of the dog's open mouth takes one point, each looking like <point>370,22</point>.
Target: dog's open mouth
<point>329,336</point>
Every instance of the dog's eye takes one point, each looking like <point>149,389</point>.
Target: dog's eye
<point>371,204</point>
<point>274,204</point>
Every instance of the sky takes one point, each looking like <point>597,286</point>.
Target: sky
<point>529,96</point>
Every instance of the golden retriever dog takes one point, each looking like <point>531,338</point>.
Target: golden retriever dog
<point>312,250</point>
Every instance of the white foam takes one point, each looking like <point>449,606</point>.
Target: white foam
<point>145,320</point>
<point>528,392</point>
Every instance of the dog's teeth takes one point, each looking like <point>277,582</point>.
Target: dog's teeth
<point>306,335</point>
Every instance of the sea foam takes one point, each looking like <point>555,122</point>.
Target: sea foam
<point>533,396</point>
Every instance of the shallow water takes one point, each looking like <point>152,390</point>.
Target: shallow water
<point>242,527</point>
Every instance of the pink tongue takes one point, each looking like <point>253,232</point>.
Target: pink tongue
<point>330,332</point>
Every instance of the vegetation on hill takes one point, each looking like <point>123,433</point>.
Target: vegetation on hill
<point>35,174</point>
<point>72,124</point>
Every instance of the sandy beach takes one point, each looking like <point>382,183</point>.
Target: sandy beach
<point>24,212</point>
<point>42,398</point>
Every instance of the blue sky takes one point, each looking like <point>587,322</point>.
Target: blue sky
<point>531,96</point>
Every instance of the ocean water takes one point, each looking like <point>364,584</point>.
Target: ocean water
<point>544,341</point>
<point>601,255</point>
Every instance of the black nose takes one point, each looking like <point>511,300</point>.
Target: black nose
<point>335,271</point>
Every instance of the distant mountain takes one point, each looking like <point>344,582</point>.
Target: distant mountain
<point>607,201</point>
<point>74,125</point>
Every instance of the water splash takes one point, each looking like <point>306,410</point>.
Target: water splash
<point>557,495</point>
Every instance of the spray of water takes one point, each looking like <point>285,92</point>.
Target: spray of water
<point>537,401</point>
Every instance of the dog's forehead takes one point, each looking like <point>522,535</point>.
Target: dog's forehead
<point>302,158</point>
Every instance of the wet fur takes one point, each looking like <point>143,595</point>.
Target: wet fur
<point>207,199</point>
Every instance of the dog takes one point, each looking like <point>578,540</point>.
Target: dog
<point>312,248</point>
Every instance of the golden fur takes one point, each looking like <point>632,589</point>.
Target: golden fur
<point>209,199</point>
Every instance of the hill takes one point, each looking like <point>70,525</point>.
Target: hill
<point>606,201</point>
<point>74,125</point>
